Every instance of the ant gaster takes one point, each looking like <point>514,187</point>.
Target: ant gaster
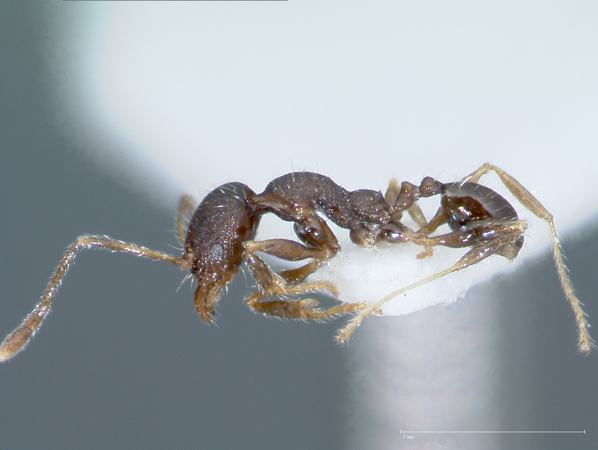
<point>221,232</point>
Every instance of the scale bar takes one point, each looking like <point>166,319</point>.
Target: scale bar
<point>495,432</point>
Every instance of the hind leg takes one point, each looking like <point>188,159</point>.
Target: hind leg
<point>527,199</point>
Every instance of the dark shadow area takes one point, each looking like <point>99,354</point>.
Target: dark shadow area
<point>545,384</point>
<point>123,361</point>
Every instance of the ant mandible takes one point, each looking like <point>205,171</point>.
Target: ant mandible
<point>221,232</point>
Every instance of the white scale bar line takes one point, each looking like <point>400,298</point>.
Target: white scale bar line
<point>497,432</point>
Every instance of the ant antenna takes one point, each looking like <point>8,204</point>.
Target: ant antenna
<point>20,337</point>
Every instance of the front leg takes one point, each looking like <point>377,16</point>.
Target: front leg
<point>319,243</point>
<point>291,251</point>
<point>271,284</point>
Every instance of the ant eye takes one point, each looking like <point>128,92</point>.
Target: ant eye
<point>217,252</point>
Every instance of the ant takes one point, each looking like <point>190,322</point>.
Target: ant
<point>221,232</point>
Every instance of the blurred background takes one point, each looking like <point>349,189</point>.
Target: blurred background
<point>110,111</point>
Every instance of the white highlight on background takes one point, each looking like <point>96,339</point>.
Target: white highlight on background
<point>210,92</point>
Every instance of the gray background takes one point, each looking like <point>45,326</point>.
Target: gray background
<point>124,362</point>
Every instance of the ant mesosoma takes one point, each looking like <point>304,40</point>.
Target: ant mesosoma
<point>221,232</point>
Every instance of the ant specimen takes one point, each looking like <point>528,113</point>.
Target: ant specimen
<point>221,232</point>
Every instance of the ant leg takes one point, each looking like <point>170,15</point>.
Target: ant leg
<point>392,191</point>
<point>292,251</point>
<point>271,284</point>
<point>438,220</point>
<point>422,234</point>
<point>475,236</point>
<point>472,257</point>
<point>584,342</point>
<point>186,205</point>
<point>320,244</point>
<point>416,213</point>
<point>425,227</point>
<point>18,339</point>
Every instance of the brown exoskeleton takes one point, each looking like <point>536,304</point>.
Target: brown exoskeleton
<point>221,232</point>
<point>485,222</point>
<point>213,251</point>
<point>301,197</point>
<point>219,237</point>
